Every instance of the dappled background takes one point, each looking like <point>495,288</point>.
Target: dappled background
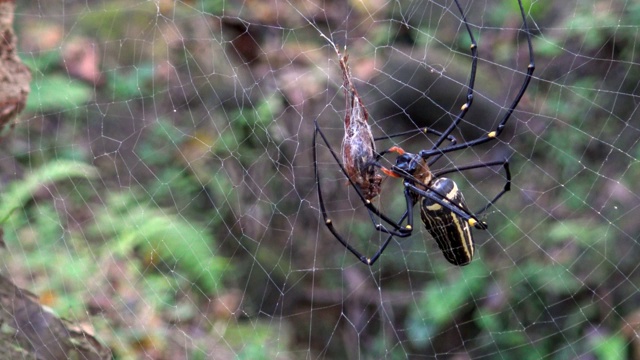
<point>158,189</point>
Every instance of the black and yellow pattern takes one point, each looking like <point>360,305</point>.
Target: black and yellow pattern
<point>451,232</point>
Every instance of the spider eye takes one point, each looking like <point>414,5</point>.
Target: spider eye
<point>405,163</point>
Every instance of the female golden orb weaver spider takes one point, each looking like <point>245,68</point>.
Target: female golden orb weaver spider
<point>443,209</point>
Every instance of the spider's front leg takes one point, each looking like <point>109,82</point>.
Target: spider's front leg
<point>494,134</point>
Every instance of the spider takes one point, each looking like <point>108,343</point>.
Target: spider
<point>443,209</point>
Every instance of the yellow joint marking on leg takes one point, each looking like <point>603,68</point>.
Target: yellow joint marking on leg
<point>408,227</point>
<point>368,261</point>
<point>328,221</point>
<point>464,107</point>
<point>492,134</point>
<point>368,202</point>
<point>472,222</point>
<point>425,130</point>
<point>473,46</point>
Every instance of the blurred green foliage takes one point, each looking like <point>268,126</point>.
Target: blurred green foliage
<point>162,237</point>
<point>442,300</point>
<point>56,93</point>
<point>176,235</point>
<point>34,228</point>
<point>610,348</point>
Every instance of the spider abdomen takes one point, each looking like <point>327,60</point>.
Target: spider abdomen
<point>451,232</point>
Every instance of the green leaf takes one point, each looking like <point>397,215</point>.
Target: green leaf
<point>548,278</point>
<point>57,92</point>
<point>181,246</point>
<point>44,62</point>
<point>610,348</point>
<point>257,340</point>
<point>132,85</point>
<point>443,301</point>
<point>584,232</point>
<point>547,47</point>
<point>19,192</point>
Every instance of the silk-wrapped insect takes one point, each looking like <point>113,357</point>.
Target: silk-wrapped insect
<point>358,148</point>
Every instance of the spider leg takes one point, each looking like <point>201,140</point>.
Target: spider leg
<point>393,149</point>
<point>323,210</point>
<point>410,186</point>
<point>453,207</point>
<point>507,185</point>
<point>408,214</point>
<point>424,130</point>
<point>398,229</point>
<point>495,133</point>
<point>367,203</point>
<point>405,230</point>
<point>472,78</point>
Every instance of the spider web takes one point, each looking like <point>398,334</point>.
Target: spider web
<point>159,187</point>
